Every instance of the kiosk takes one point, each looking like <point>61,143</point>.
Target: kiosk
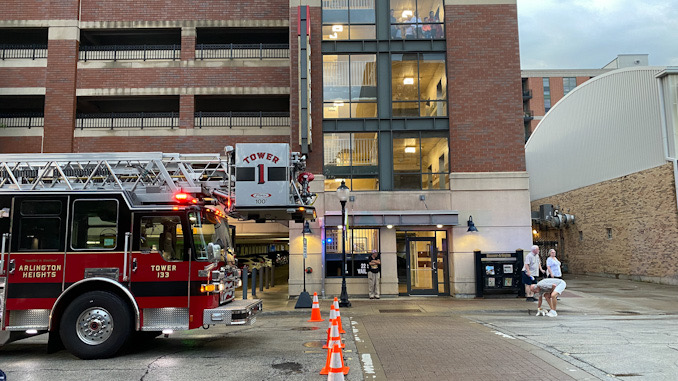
<point>499,274</point>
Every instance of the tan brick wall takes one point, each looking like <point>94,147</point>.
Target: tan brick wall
<point>640,208</point>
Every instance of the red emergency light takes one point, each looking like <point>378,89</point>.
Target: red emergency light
<point>185,198</point>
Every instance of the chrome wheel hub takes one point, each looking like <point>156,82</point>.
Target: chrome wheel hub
<point>94,326</point>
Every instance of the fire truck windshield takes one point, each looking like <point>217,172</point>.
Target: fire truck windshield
<point>210,230</point>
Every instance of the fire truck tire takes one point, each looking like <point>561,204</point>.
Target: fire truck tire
<point>96,325</point>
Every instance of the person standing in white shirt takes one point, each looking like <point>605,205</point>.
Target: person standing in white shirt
<point>553,265</point>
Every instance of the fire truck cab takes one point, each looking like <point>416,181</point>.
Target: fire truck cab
<point>100,248</point>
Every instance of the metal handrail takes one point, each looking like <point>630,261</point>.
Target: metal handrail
<point>23,51</point>
<point>22,119</point>
<point>130,52</point>
<point>128,120</point>
<point>239,51</point>
<point>232,119</point>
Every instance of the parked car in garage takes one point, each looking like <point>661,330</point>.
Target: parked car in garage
<point>251,263</point>
<point>265,260</point>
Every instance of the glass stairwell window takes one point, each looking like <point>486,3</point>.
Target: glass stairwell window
<point>419,85</point>
<point>417,19</point>
<point>421,160</point>
<point>353,158</point>
<point>348,20</point>
<point>349,86</point>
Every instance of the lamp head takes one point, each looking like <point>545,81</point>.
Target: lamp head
<point>307,228</point>
<point>343,192</point>
<point>471,226</point>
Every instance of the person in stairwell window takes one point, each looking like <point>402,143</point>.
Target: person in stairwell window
<point>374,268</point>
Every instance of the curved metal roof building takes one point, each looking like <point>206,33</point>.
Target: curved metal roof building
<point>608,127</point>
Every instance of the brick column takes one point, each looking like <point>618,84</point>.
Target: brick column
<point>315,137</point>
<point>188,35</point>
<point>486,118</point>
<point>60,83</point>
<point>186,111</point>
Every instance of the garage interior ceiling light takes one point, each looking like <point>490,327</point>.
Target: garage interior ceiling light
<point>410,150</point>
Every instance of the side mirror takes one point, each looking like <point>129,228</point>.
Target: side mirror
<point>213,252</point>
<point>210,252</point>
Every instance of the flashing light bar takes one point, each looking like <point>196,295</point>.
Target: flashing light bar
<point>185,198</point>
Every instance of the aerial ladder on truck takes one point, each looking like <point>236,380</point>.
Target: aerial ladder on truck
<point>134,241</point>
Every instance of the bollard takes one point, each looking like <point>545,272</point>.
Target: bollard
<point>244,282</point>
<point>273,275</point>
<point>261,281</point>
<point>268,277</point>
<point>254,283</point>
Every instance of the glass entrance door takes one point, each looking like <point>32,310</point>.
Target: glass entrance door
<point>423,260</point>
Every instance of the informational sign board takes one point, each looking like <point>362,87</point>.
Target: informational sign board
<point>262,175</point>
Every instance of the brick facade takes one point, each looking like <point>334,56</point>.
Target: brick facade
<point>22,77</point>
<point>23,144</point>
<point>162,10</point>
<point>640,209</point>
<point>315,156</point>
<point>183,77</point>
<point>60,98</point>
<point>182,144</point>
<point>25,10</point>
<point>483,74</point>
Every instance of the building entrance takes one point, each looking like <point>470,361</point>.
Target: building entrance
<point>422,262</point>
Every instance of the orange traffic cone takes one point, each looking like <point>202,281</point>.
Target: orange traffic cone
<point>337,315</point>
<point>315,311</point>
<point>333,316</point>
<point>334,366</point>
<point>334,337</point>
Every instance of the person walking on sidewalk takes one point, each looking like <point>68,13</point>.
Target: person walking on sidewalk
<point>531,272</point>
<point>549,289</point>
<point>374,268</point>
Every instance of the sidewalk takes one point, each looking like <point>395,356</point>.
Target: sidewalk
<point>443,338</point>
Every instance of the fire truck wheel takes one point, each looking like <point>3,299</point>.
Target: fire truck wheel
<point>96,325</point>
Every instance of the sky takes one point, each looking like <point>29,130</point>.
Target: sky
<point>588,34</point>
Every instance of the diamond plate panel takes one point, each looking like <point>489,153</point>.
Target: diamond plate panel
<point>28,319</point>
<point>165,318</point>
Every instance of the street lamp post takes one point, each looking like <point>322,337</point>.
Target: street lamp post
<point>304,299</point>
<point>343,193</point>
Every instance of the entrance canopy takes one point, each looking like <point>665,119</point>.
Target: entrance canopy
<point>395,218</point>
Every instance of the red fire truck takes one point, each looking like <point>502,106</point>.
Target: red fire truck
<point>101,248</point>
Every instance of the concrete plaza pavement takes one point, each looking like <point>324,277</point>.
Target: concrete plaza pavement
<point>606,329</point>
